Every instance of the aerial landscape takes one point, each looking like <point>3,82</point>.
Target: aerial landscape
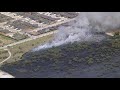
<point>59,44</point>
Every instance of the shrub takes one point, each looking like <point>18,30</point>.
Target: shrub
<point>117,34</point>
<point>90,61</point>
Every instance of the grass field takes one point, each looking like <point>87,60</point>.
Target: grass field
<point>18,50</point>
<point>3,54</point>
<point>4,40</point>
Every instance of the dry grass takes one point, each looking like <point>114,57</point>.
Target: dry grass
<point>4,40</point>
<point>18,50</point>
<point>3,55</point>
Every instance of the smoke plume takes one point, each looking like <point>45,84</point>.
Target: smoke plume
<point>82,28</point>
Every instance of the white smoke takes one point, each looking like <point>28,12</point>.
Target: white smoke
<point>103,20</point>
<point>80,29</point>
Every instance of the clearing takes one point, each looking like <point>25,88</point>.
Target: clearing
<point>4,40</point>
<point>18,50</point>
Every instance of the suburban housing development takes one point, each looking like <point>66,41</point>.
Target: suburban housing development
<point>21,25</point>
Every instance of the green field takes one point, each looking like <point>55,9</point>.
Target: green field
<point>18,50</point>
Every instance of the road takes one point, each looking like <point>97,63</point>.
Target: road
<point>29,39</point>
